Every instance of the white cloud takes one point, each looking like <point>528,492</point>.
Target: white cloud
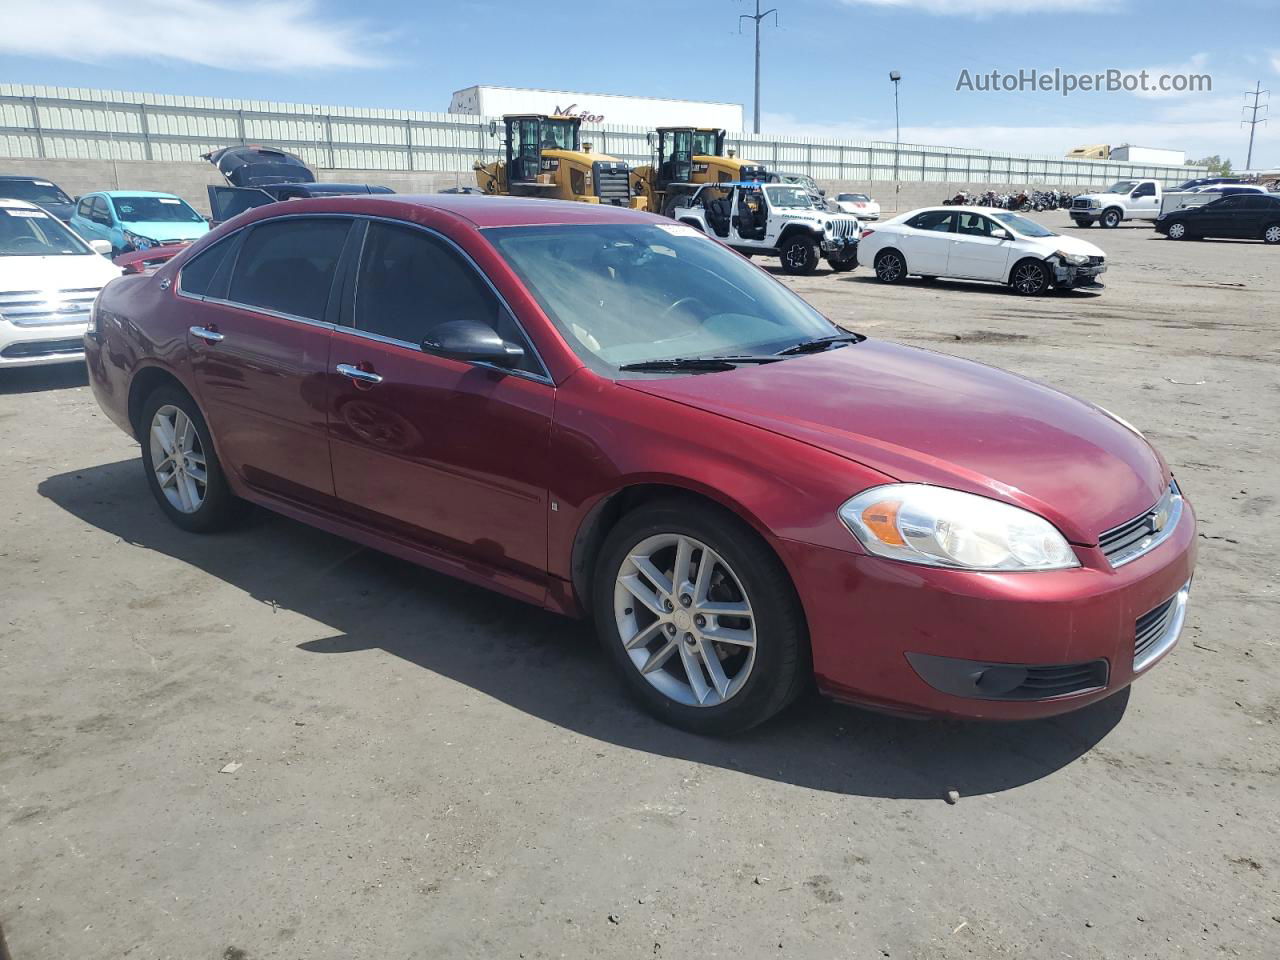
<point>1275,62</point>
<point>986,8</point>
<point>276,35</point>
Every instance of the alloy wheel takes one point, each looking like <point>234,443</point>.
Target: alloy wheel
<point>797,256</point>
<point>1029,278</point>
<point>685,620</point>
<point>889,268</point>
<point>177,457</point>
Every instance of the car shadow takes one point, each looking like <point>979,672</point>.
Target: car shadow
<point>54,376</point>
<point>975,286</point>
<point>552,668</point>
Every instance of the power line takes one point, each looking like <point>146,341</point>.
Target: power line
<point>1253,120</point>
<point>757,17</point>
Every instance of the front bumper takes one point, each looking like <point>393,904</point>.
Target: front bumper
<point>1076,275</point>
<point>839,249</point>
<point>34,346</point>
<point>924,641</point>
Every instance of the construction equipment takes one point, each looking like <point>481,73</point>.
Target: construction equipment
<point>545,157</point>
<point>687,157</point>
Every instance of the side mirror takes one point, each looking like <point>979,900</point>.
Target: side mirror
<point>472,342</point>
<point>101,246</point>
<point>1000,233</point>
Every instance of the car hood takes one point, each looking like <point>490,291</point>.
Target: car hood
<point>1071,244</point>
<point>923,417</point>
<point>70,272</point>
<point>166,230</point>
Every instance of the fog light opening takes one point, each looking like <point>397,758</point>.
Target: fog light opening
<point>996,681</point>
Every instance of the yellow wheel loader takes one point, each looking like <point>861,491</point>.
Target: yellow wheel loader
<point>545,157</point>
<point>687,157</point>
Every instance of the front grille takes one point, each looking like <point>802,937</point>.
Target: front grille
<point>845,228</point>
<point>1042,683</point>
<point>46,308</point>
<point>1096,261</point>
<point>613,183</point>
<point>1152,626</point>
<point>1144,532</point>
<point>43,348</point>
<point>1080,204</point>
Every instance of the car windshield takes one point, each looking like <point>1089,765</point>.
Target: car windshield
<point>708,143</point>
<point>790,198</point>
<point>33,233</point>
<point>629,293</point>
<point>32,191</point>
<point>1123,186</point>
<point>559,135</point>
<point>1028,228</point>
<point>853,198</point>
<point>154,210</point>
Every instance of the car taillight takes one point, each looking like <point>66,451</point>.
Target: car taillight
<point>92,326</point>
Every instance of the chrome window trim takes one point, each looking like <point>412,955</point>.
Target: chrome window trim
<point>543,377</point>
<point>1171,633</point>
<point>1173,496</point>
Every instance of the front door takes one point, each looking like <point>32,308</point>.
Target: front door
<point>1143,203</point>
<point>259,354</point>
<point>975,253</point>
<point>450,455</point>
<point>527,145</point>
<point>926,243</point>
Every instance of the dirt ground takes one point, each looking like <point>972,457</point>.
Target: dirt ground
<point>427,770</point>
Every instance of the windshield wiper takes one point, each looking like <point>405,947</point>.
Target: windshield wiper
<point>818,344</point>
<point>695,363</point>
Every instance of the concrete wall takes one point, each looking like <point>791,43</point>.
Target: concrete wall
<point>188,180</point>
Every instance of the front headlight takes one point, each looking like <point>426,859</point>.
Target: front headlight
<point>1077,258</point>
<point>941,527</point>
<point>139,242</point>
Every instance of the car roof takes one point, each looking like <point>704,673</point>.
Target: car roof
<point>137,193</point>
<point>23,176</point>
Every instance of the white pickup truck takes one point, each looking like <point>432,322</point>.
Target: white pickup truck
<point>1125,200</point>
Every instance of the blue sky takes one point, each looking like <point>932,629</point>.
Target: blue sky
<point>825,65</point>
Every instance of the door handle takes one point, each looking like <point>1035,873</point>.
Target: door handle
<point>361,376</point>
<point>207,334</point>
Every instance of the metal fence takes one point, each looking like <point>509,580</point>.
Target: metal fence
<point>75,123</point>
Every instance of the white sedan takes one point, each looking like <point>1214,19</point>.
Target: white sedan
<point>859,204</point>
<point>978,243</point>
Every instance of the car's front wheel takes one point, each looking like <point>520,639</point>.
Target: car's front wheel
<point>799,255</point>
<point>1177,231</point>
<point>890,267</point>
<point>181,465</point>
<point>1111,219</point>
<point>1271,233</point>
<point>701,618</point>
<point>1030,278</point>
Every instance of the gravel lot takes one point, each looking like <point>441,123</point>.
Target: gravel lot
<point>428,770</point>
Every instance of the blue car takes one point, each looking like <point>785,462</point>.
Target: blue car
<point>136,219</point>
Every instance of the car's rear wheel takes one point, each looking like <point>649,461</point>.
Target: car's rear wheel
<point>701,618</point>
<point>1271,233</point>
<point>1029,278</point>
<point>799,255</point>
<point>843,266</point>
<point>1177,231</point>
<point>181,465</point>
<point>890,267</point>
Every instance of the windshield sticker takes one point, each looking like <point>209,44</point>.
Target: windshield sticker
<point>680,229</point>
<point>30,214</point>
<point>169,200</point>
<point>42,183</point>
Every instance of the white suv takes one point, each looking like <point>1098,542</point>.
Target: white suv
<point>49,278</point>
<point>777,219</point>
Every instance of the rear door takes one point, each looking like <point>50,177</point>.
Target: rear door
<point>259,347</point>
<point>974,252</point>
<point>926,243</point>
<point>450,455</point>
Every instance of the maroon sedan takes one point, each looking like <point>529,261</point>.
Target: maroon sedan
<point>611,415</point>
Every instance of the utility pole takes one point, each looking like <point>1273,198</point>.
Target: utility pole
<point>896,78</point>
<point>757,17</point>
<point>1253,120</point>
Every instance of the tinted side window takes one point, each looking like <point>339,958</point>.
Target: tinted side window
<point>409,281</point>
<point>84,208</point>
<point>100,212</point>
<point>975,225</point>
<point>197,276</point>
<point>939,220</point>
<point>1145,190</point>
<point>288,266</point>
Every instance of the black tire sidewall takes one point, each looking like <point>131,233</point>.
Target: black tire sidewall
<point>219,506</point>
<point>902,274</point>
<point>1270,243</point>
<point>1110,220</point>
<point>782,667</point>
<point>811,255</point>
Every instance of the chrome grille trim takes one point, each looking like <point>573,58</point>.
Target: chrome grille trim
<point>1157,631</point>
<point>1134,538</point>
<point>47,308</point>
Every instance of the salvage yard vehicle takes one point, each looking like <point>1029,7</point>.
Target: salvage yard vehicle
<point>858,204</point>
<point>545,157</point>
<point>48,280</point>
<point>257,176</point>
<point>974,243</point>
<point>132,220</point>
<point>1240,216</point>
<point>685,157</point>
<point>775,219</point>
<point>37,190</point>
<point>610,415</point>
<point>1124,200</point>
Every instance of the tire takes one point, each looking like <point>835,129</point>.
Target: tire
<point>754,682</point>
<point>1029,278</point>
<point>799,255</point>
<point>1082,222</point>
<point>890,267</point>
<point>1271,234</point>
<point>190,504</point>
<point>1177,231</point>
<point>1110,219</point>
<point>842,266</point>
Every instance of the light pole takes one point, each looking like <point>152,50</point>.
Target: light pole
<point>896,78</point>
<point>757,17</point>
